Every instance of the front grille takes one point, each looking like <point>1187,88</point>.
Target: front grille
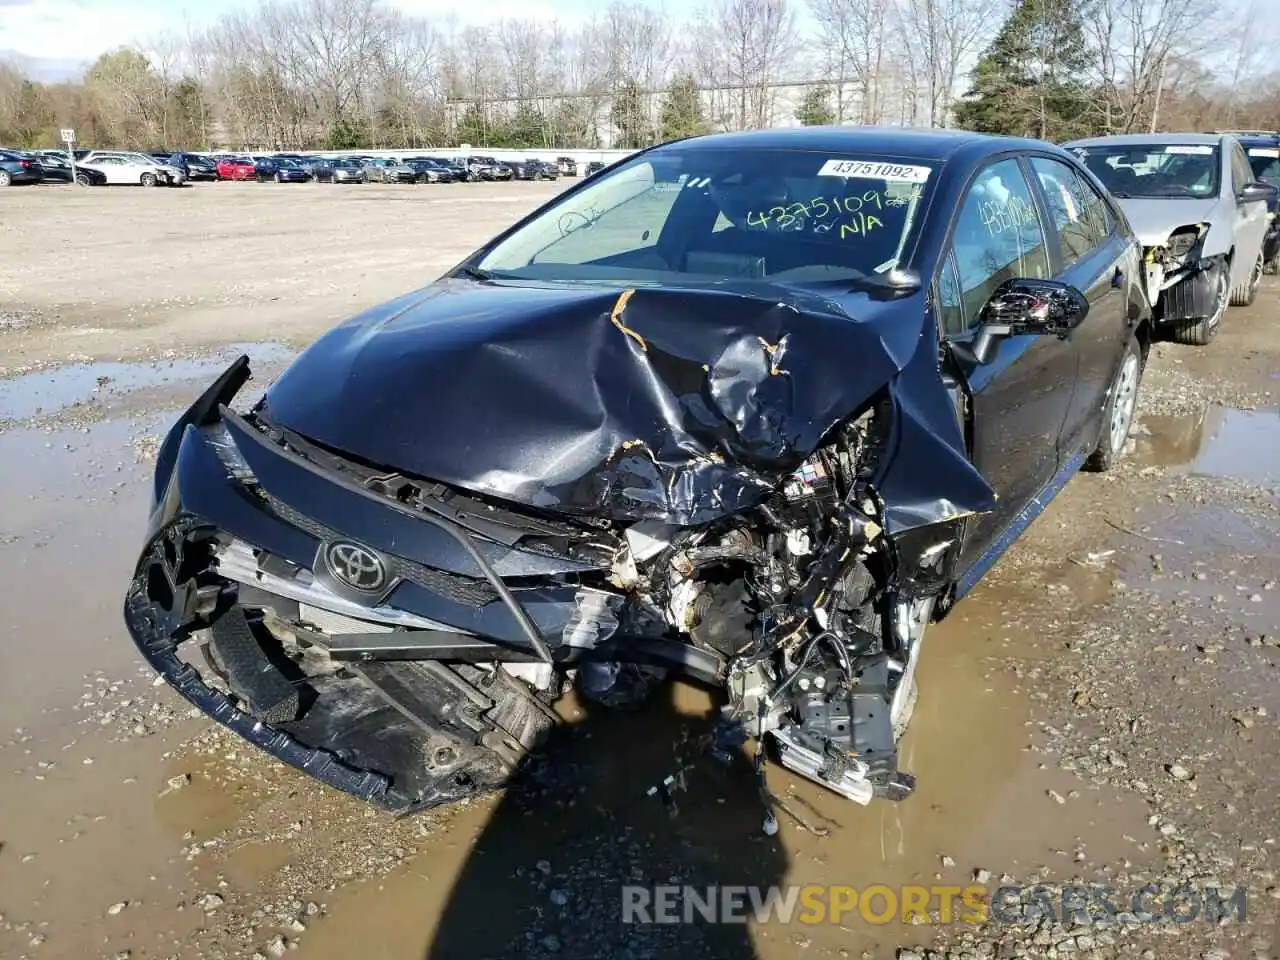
<point>472,591</point>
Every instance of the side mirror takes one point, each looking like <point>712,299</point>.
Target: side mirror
<point>1258,190</point>
<point>1023,307</point>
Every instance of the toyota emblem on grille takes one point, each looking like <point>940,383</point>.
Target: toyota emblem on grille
<point>356,566</point>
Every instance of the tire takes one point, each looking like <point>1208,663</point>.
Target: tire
<point>148,180</point>
<point>1244,294</point>
<point>1200,331</point>
<point>1117,414</point>
<point>5,179</point>
<point>84,180</point>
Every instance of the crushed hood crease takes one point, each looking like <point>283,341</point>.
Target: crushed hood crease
<point>659,403</point>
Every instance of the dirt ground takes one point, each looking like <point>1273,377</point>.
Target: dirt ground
<point>1101,710</point>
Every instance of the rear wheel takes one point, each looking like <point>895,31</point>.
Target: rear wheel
<point>1244,294</point>
<point>1117,415</point>
<point>148,180</point>
<point>1199,331</point>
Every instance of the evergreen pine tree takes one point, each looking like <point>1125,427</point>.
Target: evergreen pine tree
<point>1030,80</point>
<point>681,114</point>
<point>815,110</point>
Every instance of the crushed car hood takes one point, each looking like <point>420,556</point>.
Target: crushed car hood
<point>1153,219</point>
<point>659,403</point>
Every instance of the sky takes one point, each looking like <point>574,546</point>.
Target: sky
<point>57,38</point>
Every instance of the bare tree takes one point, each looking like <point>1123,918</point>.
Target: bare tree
<point>754,41</point>
<point>853,37</point>
<point>940,38</point>
<point>347,73</point>
<point>1135,44</point>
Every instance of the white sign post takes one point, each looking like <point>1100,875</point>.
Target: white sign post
<point>69,138</point>
<point>466,161</point>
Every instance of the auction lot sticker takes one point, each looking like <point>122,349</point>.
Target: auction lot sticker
<point>874,170</point>
<point>1198,150</point>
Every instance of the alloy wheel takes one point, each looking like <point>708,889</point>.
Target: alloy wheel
<point>1223,296</point>
<point>1123,402</point>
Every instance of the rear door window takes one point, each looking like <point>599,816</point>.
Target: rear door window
<point>1078,213</point>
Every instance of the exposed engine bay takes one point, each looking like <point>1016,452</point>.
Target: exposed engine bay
<point>795,598</point>
<point>395,611</point>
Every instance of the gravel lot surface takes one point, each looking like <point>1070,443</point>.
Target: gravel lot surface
<point>1102,710</point>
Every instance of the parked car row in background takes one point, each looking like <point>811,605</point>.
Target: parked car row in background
<point>362,168</point>
<point>92,168</point>
<point>175,167</point>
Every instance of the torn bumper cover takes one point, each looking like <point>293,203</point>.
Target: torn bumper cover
<point>380,573</point>
<point>1191,294</point>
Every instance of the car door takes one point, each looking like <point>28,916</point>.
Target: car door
<point>1090,252</point>
<point>1250,218</point>
<point>114,168</point>
<point>1018,400</point>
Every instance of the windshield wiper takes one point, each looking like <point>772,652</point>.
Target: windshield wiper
<point>1120,195</point>
<point>475,273</point>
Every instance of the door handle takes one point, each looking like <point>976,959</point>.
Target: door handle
<point>1117,279</point>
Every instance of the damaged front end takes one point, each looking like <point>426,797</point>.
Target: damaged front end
<point>1182,283</point>
<point>404,638</point>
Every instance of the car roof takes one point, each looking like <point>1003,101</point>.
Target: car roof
<point>920,143</point>
<point>1154,139</point>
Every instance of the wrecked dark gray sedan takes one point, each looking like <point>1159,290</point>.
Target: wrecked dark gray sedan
<point>751,409</point>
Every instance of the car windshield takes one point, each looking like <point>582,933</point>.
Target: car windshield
<point>1265,162</point>
<point>700,215</point>
<point>1155,170</point>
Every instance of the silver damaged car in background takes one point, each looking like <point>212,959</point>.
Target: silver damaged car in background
<point>1200,216</point>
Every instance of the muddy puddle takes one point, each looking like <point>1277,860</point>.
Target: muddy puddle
<point>81,725</point>
<point>556,856</point>
<point>89,819</point>
<point>1218,442</point>
<point>48,392</point>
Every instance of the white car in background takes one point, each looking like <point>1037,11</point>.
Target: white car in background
<point>1200,214</point>
<point>132,168</point>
